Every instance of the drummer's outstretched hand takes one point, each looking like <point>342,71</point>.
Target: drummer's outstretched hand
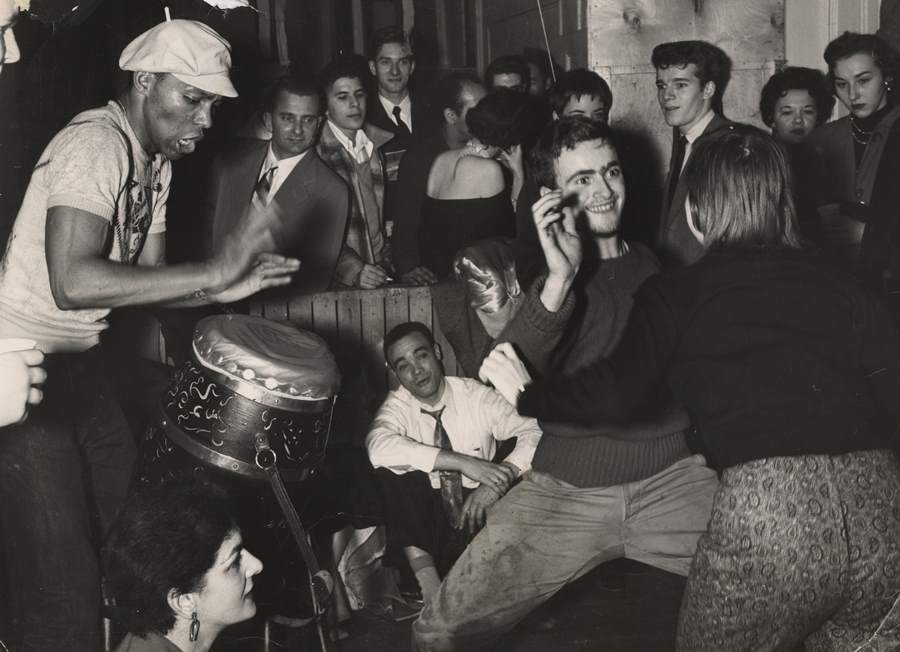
<point>240,249</point>
<point>269,270</point>
<point>503,369</point>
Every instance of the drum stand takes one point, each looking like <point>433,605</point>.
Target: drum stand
<point>321,584</point>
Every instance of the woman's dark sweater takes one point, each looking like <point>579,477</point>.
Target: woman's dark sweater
<point>774,353</point>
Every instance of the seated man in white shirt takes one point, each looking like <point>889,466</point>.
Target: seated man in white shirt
<point>433,440</point>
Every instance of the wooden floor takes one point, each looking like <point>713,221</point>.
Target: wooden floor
<point>629,608</point>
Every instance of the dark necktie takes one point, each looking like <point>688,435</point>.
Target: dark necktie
<point>451,481</point>
<point>402,127</point>
<point>677,164</point>
<point>264,185</point>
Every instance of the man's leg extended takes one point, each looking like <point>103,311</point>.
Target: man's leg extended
<point>543,534</point>
<point>668,512</point>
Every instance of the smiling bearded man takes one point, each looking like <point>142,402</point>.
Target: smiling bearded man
<point>590,496</point>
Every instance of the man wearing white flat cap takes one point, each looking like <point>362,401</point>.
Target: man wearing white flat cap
<point>90,237</point>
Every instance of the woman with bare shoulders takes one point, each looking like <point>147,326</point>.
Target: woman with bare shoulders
<point>472,190</point>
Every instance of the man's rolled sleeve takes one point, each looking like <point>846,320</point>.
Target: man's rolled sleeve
<point>85,172</point>
<point>389,446</point>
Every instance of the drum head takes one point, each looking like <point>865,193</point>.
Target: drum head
<point>276,357</point>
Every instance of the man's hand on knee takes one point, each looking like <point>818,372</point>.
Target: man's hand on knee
<point>498,477</point>
<point>475,510</point>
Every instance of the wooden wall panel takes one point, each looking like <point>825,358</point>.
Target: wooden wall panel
<point>621,35</point>
<point>624,32</point>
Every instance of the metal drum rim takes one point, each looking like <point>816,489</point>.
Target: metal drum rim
<point>262,395</point>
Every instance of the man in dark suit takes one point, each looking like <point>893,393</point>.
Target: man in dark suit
<point>691,77</point>
<point>313,201</point>
<point>395,108</point>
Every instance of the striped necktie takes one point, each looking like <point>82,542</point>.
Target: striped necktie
<point>264,186</point>
<point>451,481</point>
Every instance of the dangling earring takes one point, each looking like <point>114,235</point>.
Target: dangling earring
<point>195,627</point>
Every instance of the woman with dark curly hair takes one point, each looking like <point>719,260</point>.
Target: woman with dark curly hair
<point>793,103</point>
<point>468,196</point>
<point>861,155</point>
<point>177,568</point>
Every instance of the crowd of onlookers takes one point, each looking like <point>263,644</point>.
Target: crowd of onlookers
<point>719,402</point>
<point>427,171</point>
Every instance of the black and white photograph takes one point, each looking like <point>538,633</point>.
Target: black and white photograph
<point>449,325</point>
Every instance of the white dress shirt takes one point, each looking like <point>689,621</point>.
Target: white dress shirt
<point>475,417</point>
<point>285,167</point>
<point>361,150</point>
<point>694,133</point>
<point>405,109</point>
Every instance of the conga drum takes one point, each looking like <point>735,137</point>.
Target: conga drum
<point>251,384</point>
<point>253,402</point>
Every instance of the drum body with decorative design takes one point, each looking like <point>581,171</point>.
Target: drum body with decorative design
<point>252,385</point>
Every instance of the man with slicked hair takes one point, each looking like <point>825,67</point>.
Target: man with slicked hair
<point>691,77</point>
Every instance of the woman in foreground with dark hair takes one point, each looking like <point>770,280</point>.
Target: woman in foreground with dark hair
<point>792,371</point>
<point>177,568</point>
<point>467,195</point>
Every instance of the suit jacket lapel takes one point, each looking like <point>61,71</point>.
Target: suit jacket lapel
<point>235,189</point>
<point>379,117</point>
<point>295,187</point>
<point>247,172</point>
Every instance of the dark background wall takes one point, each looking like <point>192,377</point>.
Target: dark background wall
<point>69,64</point>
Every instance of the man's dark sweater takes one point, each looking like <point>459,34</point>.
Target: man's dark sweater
<point>774,353</point>
<point>586,328</point>
<point>603,295</point>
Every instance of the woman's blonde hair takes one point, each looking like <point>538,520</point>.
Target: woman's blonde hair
<point>739,190</point>
<point>488,269</point>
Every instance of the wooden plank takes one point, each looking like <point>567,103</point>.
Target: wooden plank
<point>420,305</point>
<point>349,317</point>
<point>276,309</point>
<point>396,308</point>
<point>372,303</point>
<point>299,311</point>
<point>450,366</point>
<point>324,315</point>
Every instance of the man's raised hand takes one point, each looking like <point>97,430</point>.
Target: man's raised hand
<point>555,224</point>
